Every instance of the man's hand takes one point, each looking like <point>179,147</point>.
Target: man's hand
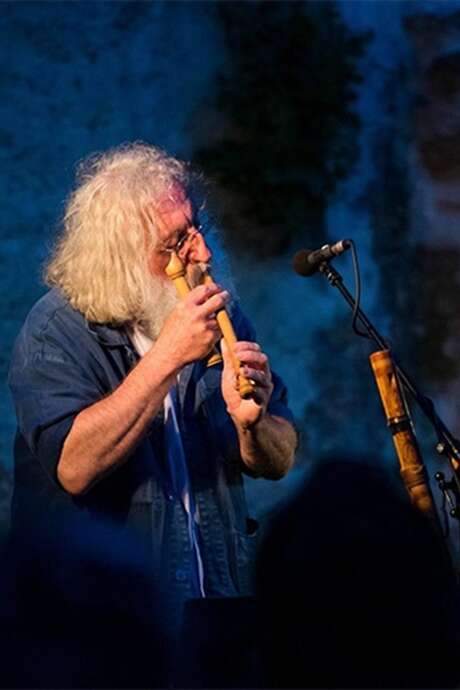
<point>267,442</point>
<point>255,366</point>
<point>191,330</point>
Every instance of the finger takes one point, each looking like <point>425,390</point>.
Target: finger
<point>246,345</point>
<point>212,325</point>
<point>216,336</point>
<point>260,395</point>
<point>229,368</point>
<point>253,358</point>
<point>260,377</point>
<point>201,293</point>
<point>226,353</point>
<point>215,303</point>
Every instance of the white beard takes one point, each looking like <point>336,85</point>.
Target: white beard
<point>162,300</point>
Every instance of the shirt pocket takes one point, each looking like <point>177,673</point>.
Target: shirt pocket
<point>245,546</point>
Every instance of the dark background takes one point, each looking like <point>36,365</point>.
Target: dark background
<point>313,121</point>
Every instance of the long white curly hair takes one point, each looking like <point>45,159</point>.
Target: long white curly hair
<point>100,259</point>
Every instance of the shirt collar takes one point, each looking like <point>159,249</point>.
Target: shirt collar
<point>110,336</point>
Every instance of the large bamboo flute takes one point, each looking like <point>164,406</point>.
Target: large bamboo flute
<point>176,271</point>
<point>411,465</point>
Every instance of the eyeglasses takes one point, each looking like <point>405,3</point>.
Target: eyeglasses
<point>187,236</point>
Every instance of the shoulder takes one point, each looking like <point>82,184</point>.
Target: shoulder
<point>51,321</point>
<point>50,310</point>
<point>51,305</point>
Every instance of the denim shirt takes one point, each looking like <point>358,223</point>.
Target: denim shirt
<point>62,364</point>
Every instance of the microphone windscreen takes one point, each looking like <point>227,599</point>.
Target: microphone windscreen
<point>300,263</point>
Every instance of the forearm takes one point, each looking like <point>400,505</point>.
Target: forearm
<point>104,434</point>
<point>267,448</point>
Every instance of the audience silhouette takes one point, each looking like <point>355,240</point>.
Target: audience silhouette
<point>355,590</point>
<point>78,609</point>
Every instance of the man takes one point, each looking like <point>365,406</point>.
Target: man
<point>118,416</point>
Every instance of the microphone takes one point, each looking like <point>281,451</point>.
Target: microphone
<point>306,261</point>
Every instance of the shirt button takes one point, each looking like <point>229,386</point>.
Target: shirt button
<point>181,575</point>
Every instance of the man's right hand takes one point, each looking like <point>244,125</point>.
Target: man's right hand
<point>104,434</point>
<point>191,330</point>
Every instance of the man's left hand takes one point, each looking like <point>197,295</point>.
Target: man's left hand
<point>255,366</point>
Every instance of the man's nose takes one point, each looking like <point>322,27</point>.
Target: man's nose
<point>198,250</point>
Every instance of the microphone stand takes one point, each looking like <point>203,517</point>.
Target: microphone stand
<point>446,445</point>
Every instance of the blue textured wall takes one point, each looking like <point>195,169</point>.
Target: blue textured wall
<point>78,77</point>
